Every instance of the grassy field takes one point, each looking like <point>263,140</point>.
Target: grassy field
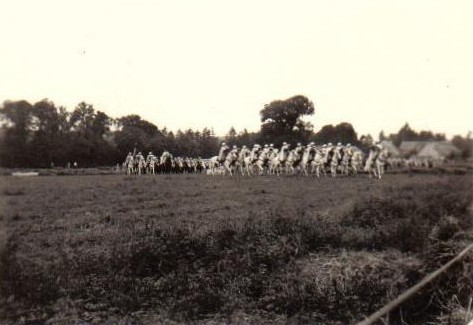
<point>200,249</point>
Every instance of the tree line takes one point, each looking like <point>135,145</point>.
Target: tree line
<point>44,134</point>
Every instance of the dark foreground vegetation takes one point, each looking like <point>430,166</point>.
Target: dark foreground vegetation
<point>197,249</point>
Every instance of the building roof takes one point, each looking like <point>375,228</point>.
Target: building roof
<point>439,149</point>
<point>390,147</point>
<point>409,148</point>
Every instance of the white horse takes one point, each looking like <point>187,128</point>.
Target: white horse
<point>318,163</point>
<point>242,160</point>
<point>376,162</point>
<point>293,160</point>
<point>130,166</point>
<point>230,161</point>
<point>250,161</point>
<point>347,153</point>
<point>307,158</point>
<point>278,162</point>
<point>140,164</point>
<point>356,161</point>
<point>262,161</point>
<point>152,164</point>
<point>212,165</point>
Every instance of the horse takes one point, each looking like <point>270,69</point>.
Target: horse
<point>166,162</point>
<point>140,164</point>
<point>318,163</point>
<point>130,166</point>
<point>230,161</point>
<point>335,161</point>
<point>376,162</point>
<point>263,160</point>
<point>293,160</point>
<point>307,158</point>
<point>346,160</point>
<point>356,161</point>
<point>279,160</point>
<point>242,161</point>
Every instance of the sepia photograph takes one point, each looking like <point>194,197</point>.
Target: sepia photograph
<point>243,162</point>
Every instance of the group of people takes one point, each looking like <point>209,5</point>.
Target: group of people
<point>309,159</point>
<point>267,159</point>
<point>165,164</point>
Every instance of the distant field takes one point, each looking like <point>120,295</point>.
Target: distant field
<point>196,248</point>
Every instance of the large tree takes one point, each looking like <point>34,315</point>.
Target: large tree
<point>50,143</point>
<point>282,120</point>
<point>465,144</point>
<point>89,128</point>
<point>18,119</point>
<point>133,132</point>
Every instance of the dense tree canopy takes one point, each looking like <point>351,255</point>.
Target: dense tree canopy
<point>465,144</point>
<point>19,117</point>
<point>44,135</point>
<point>406,133</point>
<point>282,120</point>
<point>343,132</point>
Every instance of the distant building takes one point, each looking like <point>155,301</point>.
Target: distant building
<point>439,150</point>
<point>411,148</point>
<point>393,151</point>
<point>429,149</point>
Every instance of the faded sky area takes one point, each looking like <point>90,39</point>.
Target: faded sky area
<point>194,64</point>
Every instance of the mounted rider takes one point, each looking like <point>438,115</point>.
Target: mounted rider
<point>222,154</point>
<point>376,149</point>
<point>129,158</point>
<point>149,157</point>
<point>254,154</point>
<point>329,150</point>
<point>340,151</point>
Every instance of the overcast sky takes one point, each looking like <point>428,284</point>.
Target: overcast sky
<point>195,64</point>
